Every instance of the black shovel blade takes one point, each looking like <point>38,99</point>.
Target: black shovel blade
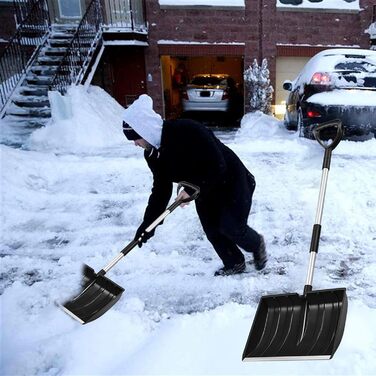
<point>297,327</point>
<point>98,295</point>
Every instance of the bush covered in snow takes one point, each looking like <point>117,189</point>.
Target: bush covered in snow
<point>260,92</point>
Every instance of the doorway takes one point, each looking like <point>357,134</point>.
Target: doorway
<point>67,11</point>
<point>121,73</point>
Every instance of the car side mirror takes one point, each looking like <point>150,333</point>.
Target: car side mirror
<point>287,85</point>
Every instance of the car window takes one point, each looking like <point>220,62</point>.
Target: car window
<point>355,72</point>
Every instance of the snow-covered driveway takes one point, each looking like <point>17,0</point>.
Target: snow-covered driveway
<point>78,194</point>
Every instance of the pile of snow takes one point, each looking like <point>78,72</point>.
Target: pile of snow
<point>81,121</point>
<point>257,125</point>
<point>62,209</point>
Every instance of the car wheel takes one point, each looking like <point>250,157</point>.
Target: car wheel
<point>303,130</point>
<point>290,127</point>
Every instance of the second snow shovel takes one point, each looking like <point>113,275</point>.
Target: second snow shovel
<point>99,293</point>
<point>308,326</point>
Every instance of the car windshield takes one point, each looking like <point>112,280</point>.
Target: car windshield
<point>208,81</point>
<point>355,73</point>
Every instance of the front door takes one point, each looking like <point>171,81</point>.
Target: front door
<point>67,11</point>
<point>128,74</point>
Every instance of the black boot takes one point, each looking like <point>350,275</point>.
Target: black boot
<point>235,269</point>
<point>260,257</point>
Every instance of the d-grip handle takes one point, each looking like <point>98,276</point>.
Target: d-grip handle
<point>337,124</point>
<point>193,196</point>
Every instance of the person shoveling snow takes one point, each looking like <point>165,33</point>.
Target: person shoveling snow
<point>184,150</point>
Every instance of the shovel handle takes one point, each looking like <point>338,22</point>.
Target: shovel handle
<point>337,124</point>
<point>193,196</point>
<point>181,186</point>
<point>152,226</point>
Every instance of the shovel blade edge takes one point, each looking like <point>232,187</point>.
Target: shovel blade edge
<point>297,327</point>
<point>97,296</point>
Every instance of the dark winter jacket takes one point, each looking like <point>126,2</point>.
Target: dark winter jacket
<point>190,152</point>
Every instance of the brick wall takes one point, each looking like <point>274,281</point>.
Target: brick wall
<point>260,26</point>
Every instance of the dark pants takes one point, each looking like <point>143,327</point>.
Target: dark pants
<point>224,219</point>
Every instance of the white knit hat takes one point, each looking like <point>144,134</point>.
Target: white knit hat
<point>144,120</point>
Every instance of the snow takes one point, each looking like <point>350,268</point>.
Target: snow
<point>351,97</point>
<point>326,61</point>
<point>324,4</point>
<point>209,3</point>
<point>167,41</point>
<point>76,192</point>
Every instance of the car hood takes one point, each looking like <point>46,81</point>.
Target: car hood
<point>350,97</point>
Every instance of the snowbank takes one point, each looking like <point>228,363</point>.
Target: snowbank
<point>80,122</point>
<point>257,125</point>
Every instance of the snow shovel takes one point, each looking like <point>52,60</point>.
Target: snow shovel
<point>99,293</point>
<point>308,326</point>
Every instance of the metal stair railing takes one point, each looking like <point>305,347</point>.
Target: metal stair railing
<point>22,48</point>
<point>72,68</point>
<point>124,14</point>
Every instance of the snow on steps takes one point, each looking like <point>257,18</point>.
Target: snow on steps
<point>30,106</point>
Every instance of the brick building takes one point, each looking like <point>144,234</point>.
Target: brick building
<point>226,39</point>
<point>198,36</point>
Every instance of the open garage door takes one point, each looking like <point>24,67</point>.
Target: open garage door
<point>219,95</point>
<point>287,68</point>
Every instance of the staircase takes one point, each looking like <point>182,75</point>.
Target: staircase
<point>40,58</point>
<point>29,104</point>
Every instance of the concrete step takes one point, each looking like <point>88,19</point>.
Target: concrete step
<point>35,79</point>
<point>31,112</point>
<point>65,27</point>
<point>44,70</point>
<point>35,90</point>
<point>54,51</point>
<point>59,42</point>
<point>30,122</point>
<point>49,60</point>
<point>31,101</point>
<point>61,35</point>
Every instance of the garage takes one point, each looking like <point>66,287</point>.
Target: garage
<point>289,62</point>
<point>184,65</point>
<point>287,68</point>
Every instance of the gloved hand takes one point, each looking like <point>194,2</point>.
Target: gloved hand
<point>143,235</point>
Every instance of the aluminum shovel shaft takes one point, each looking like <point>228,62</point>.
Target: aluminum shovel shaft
<point>308,326</point>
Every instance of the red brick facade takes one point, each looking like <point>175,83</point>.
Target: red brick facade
<point>265,31</point>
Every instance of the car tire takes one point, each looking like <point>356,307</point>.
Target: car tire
<point>303,131</point>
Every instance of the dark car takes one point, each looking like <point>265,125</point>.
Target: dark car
<point>334,84</point>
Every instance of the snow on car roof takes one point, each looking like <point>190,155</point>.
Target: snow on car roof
<point>326,60</point>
